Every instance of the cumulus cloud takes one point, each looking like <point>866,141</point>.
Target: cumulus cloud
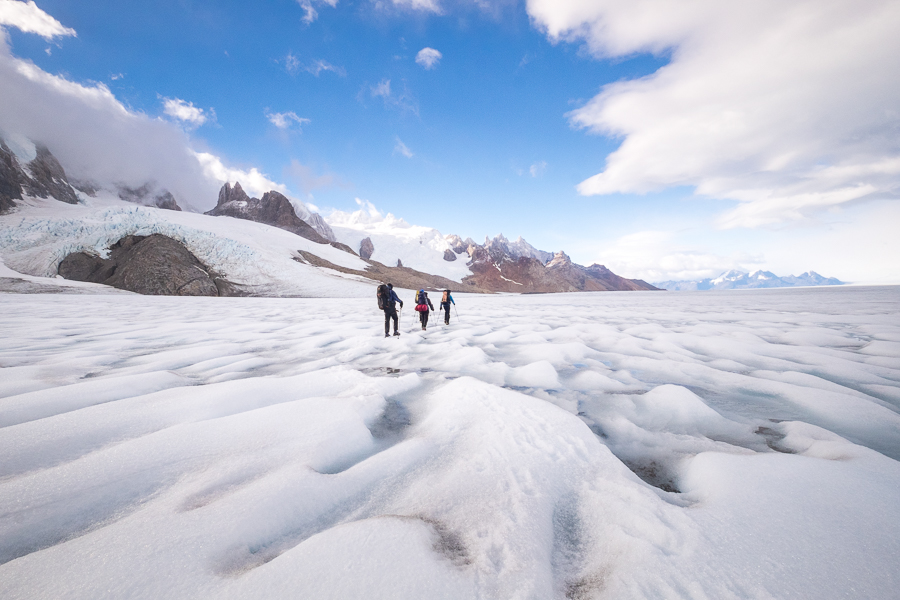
<point>285,120</point>
<point>401,148</point>
<point>186,112</point>
<point>428,58</point>
<point>252,180</point>
<point>787,107</point>
<point>27,17</point>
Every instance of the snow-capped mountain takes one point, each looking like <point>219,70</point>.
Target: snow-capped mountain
<point>30,169</point>
<point>102,238</point>
<point>741,280</point>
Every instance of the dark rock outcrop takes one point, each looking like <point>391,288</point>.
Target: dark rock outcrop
<point>148,195</point>
<point>366,248</point>
<point>43,177</point>
<point>10,184</point>
<point>272,209</point>
<point>48,179</point>
<point>449,255</point>
<point>154,265</point>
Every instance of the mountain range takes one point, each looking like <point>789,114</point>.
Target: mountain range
<point>741,280</point>
<point>100,240</point>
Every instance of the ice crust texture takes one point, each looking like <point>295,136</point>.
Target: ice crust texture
<point>157,447</point>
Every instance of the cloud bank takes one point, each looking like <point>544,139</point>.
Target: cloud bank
<point>27,17</point>
<point>788,108</point>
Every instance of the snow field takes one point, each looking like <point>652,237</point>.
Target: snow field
<point>35,238</point>
<point>614,445</point>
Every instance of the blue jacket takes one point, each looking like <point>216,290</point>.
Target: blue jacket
<point>396,298</point>
<point>449,300</point>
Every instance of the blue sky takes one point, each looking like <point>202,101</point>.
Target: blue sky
<point>512,128</point>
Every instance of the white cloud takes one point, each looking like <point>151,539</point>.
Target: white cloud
<point>383,89</point>
<point>310,13</point>
<point>317,66</point>
<point>27,17</point>
<point>428,57</point>
<point>97,138</point>
<point>661,256</point>
<point>291,63</point>
<point>538,168</point>
<point>400,148</point>
<point>285,120</point>
<point>402,100</point>
<point>254,182</point>
<point>789,107</point>
<point>423,5</point>
<point>184,111</point>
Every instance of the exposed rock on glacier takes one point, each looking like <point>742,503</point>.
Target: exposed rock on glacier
<point>449,255</point>
<point>154,265</point>
<point>366,248</point>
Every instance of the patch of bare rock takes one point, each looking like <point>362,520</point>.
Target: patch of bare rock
<point>155,265</point>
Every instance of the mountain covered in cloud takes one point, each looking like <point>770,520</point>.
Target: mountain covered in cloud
<point>101,239</point>
<point>740,280</point>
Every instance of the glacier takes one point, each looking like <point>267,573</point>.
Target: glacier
<point>619,445</point>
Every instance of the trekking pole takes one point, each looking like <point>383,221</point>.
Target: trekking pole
<point>455,312</point>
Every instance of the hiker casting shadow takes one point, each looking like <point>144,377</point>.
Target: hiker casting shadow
<point>446,299</point>
<point>423,307</point>
<point>388,301</point>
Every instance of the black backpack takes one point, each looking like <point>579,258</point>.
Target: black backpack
<point>384,295</point>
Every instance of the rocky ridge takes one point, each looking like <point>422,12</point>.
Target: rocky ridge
<point>31,170</point>
<point>499,266</point>
<point>42,176</point>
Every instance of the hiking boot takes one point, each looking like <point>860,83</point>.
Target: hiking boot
<point>397,333</point>
<point>386,335</point>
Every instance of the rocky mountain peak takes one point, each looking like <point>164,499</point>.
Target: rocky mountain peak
<point>273,208</point>
<point>42,176</point>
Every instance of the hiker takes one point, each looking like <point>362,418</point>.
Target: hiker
<point>387,301</point>
<point>423,307</point>
<point>446,299</point>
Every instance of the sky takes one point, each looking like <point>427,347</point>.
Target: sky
<point>664,140</point>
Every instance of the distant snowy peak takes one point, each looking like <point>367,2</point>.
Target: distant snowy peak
<point>740,280</point>
<point>517,249</point>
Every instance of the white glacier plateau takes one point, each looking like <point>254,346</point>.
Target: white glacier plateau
<point>609,445</point>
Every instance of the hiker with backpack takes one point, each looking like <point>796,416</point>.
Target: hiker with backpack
<point>387,301</point>
<point>446,299</point>
<point>423,307</point>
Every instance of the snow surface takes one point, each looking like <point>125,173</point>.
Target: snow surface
<point>155,447</point>
<point>420,248</point>
<point>40,233</point>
